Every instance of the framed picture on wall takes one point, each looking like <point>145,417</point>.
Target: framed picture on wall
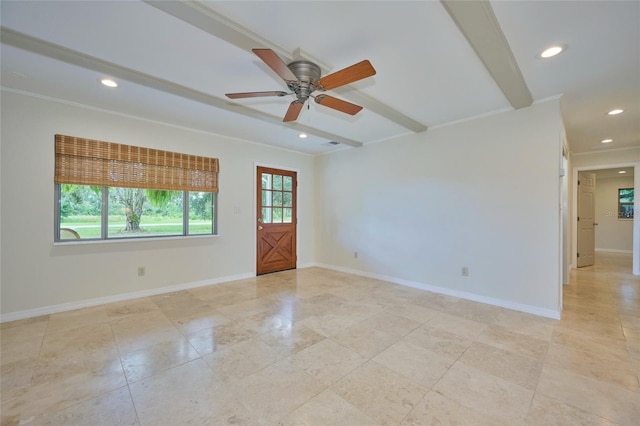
<point>625,203</point>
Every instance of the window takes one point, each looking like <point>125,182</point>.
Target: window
<point>625,203</point>
<point>112,191</point>
<point>277,198</point>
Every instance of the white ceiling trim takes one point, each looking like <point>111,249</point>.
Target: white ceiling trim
<point>208,20</point>
<point>61,53</point>
<point>479,25</point>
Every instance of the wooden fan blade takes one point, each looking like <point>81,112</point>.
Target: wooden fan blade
<point>338,104</point>
<point>348,75</point>
<point>270,58</point>
<point>254,94</point>
<point>294,111</point>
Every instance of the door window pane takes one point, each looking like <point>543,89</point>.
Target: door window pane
<point>287,215</point>
<point>277,215</point>
<point>287,199</point>
<point>277,198</point>
<point>266,198</point>
<point>288,183</point>
<point>277,182</point>
<point>266,215</point>
<point>266,181</point>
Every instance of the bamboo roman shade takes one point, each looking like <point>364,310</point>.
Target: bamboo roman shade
<point>89,162</point>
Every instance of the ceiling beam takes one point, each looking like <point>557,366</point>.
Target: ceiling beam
<point>201,16</point>
<point>479,25</point>
<point>73,57</point>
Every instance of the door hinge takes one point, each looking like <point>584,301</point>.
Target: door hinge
<point>578,182</point>
<point>578,218</point>
<point>578,254</point>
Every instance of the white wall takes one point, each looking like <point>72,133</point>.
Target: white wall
<point>612,234</point>
<point>36,274</point>
<point>483,194</point>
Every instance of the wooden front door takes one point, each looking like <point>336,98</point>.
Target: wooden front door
<point>276,220</point>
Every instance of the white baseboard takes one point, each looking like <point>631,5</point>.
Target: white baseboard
<point>535,310</point>
<point>54,309</point>
<point>607,250</point>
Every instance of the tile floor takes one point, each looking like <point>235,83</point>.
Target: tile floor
<point>319,347</point>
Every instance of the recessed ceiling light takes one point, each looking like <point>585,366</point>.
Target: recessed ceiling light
<point>552,51</point>
<point>622,172</point>
<point>302,135</point>
<point>607,140</point>
<point>108,82</point>
<point>615,112</point>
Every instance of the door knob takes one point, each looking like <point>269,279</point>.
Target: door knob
<point>259,228</point>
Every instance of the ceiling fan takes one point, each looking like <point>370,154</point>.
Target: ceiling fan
<point>303,78</point>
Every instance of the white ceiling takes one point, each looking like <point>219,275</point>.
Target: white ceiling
<point>177,70</point>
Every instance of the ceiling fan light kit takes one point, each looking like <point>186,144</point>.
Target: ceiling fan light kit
<point>303,77</point>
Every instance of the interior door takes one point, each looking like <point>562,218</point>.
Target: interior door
<point>586,215</point>
<point>276,220</point>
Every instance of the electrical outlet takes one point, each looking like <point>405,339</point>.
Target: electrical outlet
<point>465,271</point>
<point>141,271</point>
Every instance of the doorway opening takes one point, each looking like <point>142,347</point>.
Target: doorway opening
<point>276,219</point>
<point>613,234</point>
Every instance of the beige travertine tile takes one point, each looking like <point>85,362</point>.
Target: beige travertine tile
<point>290,339</point>
<point>439,341</point>
<point>389,323</point>
<point>413,312</point>
<point>126,308</point>
<point>436,409</point>
<point>327,409</point>
<point>366,341</point>
<point>588,342</point>
<point>550,412</point>
<point>21,342</point>
<point>327,361</point>
<point>420,365</point>
<point>238,361</point>
<point>113,408</point>
<point>201,321</point>
<point>601,398</point>
<point>485,393</point>
<point>598,364</point>
<point>510,366</point>
<point>146,362</point>
<point>56,389</point>
<point>327,323</point>
<point>187,394</point>
<point>77,318</point>
<point>26,321</point>
<point>23,333</point>
<point>219,337</point>
<point>139,331</point>
<point>514,342</point>
<point>273,392</point>
<point>385,404</point>
<point>474,311</point>
<point>527,324</point>
<point>459,326</point>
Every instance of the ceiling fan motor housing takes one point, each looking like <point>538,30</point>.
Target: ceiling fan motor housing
<point>307,72</point>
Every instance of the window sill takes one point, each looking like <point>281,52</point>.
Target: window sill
<point>130,240</point>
